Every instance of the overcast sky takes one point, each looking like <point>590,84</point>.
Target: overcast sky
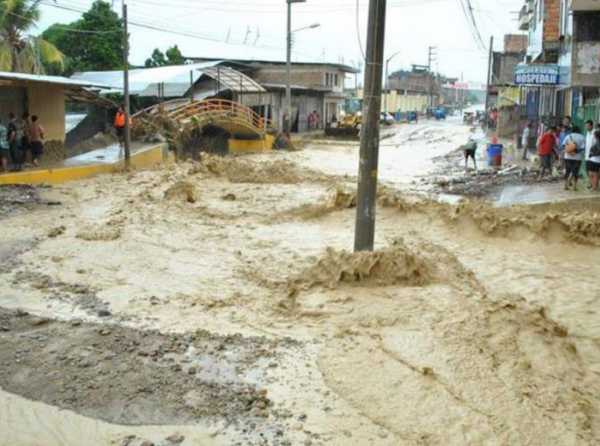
<point>256,29</point>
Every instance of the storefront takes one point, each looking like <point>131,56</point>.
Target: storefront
<point>539,86</point>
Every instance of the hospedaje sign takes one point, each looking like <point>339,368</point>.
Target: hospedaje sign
<point>537,75</point>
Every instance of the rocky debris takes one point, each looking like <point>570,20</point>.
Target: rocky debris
<point>17,197</point>
<point>451,178</point>
<point>55,232</point>
<point>81,296</point>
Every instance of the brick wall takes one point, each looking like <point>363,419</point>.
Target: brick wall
<point>551,20</point>
<point>515,43</point>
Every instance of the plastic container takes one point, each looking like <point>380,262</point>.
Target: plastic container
<point>494,152</point>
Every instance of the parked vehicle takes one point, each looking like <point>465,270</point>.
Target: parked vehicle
<point>387,118</point>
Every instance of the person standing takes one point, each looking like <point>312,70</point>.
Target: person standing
<point>13,141</point>
<point>590,140</point>
<point>4,147</point>
<point>546,147</point>
<point>37,140</point>
<point>574,153</point>
<point>119,125</point>
<point>593,163</point>
<point>23,129</point>
<point>525,139</point>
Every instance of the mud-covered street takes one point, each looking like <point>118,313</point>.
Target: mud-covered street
<point>219,303</point>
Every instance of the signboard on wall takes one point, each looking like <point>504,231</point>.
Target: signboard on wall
<point>537,75</point>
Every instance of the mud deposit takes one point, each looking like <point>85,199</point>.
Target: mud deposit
<point>131,377</point>
<point>15,198</point>
<point>218,303</point>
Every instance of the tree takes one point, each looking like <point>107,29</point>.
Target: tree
<point>172,56</point>
<point>20,52</point>
<point>157,59</point>
<point>92,43</point>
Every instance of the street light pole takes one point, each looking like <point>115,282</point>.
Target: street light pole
<point>387,79</point>
<point>288,85</point>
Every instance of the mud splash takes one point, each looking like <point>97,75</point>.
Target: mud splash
<point>396,265</point>
<point>239,170</point>
<point>182,191</point>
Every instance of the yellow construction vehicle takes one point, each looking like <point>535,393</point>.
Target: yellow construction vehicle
<point>348,127</point>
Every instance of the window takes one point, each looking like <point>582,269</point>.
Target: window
<point>337,80</point>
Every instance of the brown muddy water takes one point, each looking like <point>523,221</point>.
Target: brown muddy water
<point>219,304</point>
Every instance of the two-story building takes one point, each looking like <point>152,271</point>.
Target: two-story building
<point>580,59</point>
<point>538,77</point>
<point>316,87</point>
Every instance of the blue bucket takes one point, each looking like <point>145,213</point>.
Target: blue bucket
<point>494,153</point>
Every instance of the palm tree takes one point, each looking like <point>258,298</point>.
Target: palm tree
<point>20,52</point>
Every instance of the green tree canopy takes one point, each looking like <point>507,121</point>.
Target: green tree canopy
<point>20,52</point>
<point>92,43</point>
<point>172,56</point>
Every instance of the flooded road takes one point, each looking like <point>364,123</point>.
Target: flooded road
<point>471,324</point>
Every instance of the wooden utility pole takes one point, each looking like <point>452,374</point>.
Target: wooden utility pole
<point>488,83</point>
<point>369,143</point>
<point>127,105</point>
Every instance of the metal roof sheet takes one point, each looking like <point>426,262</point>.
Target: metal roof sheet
<point>57,80</point>
<point>144,81</point>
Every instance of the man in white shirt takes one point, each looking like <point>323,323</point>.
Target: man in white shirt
<point>593,162</point>
<point>525,139</point>
<point>590,140</point>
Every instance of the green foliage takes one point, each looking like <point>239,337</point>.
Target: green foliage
<point>172,56</point>
<point>92,43</point>
<point>18,51</point>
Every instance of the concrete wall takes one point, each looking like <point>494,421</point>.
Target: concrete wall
<point>303,103</point>
<point>503,67</point>
<point>311,77</point>
<point>515,43</point>
<point>48,103</point>
<point>403,102</point>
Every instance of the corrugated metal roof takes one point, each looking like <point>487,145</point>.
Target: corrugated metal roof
<point>295,63</point>
<point>57,80</point>
<point>174,80</point>
<point>233,80</point>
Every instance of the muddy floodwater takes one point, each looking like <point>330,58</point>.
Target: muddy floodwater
<point>220,303</point>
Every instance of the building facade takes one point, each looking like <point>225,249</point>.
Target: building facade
<point>563,46</point>
<point>316,87</point>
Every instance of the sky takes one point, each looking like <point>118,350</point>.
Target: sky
<point>255,29</point>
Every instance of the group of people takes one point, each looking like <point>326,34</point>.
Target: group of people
<point>577,151</point>
<point>18,138</point>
